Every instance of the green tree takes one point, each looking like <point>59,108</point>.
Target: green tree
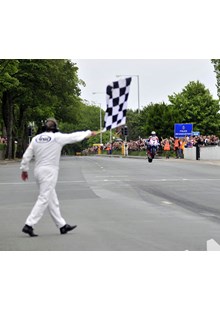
<point>8,83</point>
<point>50,88</point>
<point>216,64</point>
<point>32,90</point>
<point>87,117</point>
<point>133,122</point>
<point>157,117</point>
<point>196,105</point>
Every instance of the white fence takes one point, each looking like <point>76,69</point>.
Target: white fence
<point>206,153</point>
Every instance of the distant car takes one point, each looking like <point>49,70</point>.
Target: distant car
<point>118,140</point>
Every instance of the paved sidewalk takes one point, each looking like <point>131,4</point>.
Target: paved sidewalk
<point>7,161</point>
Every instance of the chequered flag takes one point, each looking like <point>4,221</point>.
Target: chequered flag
<point>117,98</point>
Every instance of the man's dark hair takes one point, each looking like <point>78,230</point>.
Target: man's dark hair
<point>51,125</point>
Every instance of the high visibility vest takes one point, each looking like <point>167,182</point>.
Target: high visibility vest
<point>167,146</point>
<point>176,143</point>
<point>183,145</point>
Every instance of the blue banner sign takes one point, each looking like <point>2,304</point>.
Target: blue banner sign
<point>182,130</point>
<point>195,133</point>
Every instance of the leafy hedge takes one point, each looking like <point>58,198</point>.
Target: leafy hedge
<point>2,146</point>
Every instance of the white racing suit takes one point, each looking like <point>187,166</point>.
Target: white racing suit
<point>152,142</point>
<point>46,149</point>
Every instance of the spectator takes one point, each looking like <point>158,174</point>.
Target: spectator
<point>176,147</point>
<point>166,147</point>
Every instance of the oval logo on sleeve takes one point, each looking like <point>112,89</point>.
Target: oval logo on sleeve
<point>43,139</point>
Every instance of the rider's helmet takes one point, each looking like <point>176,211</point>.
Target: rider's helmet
<point>153,133</point>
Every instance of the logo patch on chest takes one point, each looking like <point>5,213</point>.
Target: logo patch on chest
<point>43,139</point>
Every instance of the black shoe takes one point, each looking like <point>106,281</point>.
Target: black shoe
<point>66,228</point>
<point>29,230</point>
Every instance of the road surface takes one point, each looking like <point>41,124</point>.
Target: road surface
<point>119,204</point>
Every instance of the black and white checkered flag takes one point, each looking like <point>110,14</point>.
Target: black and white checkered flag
<point>117,98</point>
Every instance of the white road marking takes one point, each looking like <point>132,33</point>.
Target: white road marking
<point>166,202</point>
<point>31,183</point>
<point>115,180</point>
<point>207,214</point>
<point>112,176</point>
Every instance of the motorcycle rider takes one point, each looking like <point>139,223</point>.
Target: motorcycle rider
<point>152,141</point>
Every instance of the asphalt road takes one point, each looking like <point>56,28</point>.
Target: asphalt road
<point>119,204</point>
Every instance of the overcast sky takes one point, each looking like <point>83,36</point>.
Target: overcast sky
<point>158,78</point>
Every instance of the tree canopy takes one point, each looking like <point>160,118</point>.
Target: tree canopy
<point>195,105</point>
<point>216,64</point>
<point>32,90</point>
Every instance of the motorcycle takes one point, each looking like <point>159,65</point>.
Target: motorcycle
<point>152,146</point>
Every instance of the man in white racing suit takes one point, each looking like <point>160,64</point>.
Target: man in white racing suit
<point>46,149</point>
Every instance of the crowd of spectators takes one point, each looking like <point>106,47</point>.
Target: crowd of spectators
<point>139,145</point>
<point>194,140</point>
<point>117,145</point>
<point>179,144</point>
<point>3,140</point>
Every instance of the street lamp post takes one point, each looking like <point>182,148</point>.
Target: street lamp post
<point>100,117</point>
<point>110,131</point>
<point>138,88</point>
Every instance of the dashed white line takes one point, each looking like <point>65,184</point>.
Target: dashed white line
<point>114,180</point>
<point>166,202</point>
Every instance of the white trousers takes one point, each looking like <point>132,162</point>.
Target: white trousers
<point>46,178</point>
